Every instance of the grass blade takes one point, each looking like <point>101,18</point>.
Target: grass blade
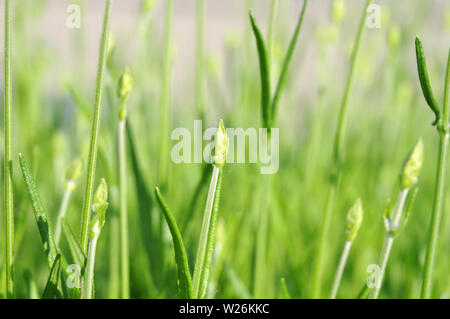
<point>287,60</point>
<point>184,276</point>
<point>211,237</point>
<point>285,290</point>
<point>75,249</point>
<point>264,70</point>
<point>39,212</point>
<point>86,215</point>
<point>51,288</point>
<point>425,81</point>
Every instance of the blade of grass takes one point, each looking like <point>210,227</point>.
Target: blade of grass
<point>184,276</point>
<point>86,213</point>
<point>264,69</point>
<point>8,180</point>
<point>286,62</point>
<point>51,288</point>
<point>75,249</point>
<point>336,163</point>
<point>285,290</point>
<point>211,237</point>
<point>40,212</point>
<point>425,81</point>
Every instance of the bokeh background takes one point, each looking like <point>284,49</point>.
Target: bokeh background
<point>54,84</point>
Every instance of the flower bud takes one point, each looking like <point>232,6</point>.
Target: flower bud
<point>412,166</point>
<point>99,208</point>
<point>354,219</point>
<point>221,148</point>
<point>125,84</point>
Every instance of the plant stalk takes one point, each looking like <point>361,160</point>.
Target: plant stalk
<point>124,248</point>
<point>8,180</point>
<point>201,252</point>
<point>340,270</point>
<point>388,242</point>
<point>336,166</point>
<point>438,193</point>
<point>88,283</point>
<point>88,195</point>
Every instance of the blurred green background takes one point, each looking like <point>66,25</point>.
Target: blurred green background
<point>54,84</point>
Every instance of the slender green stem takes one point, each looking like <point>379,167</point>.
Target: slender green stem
<point>62,212</point>
<point>340,270</point>
<point>165,95</point>
<point>114,257</point>
<point>388,242</point>
<point>95,130</point>
<point>201,252</point>
<point>336,166</point>
<point>199,76</point>
<point>124,249</point>
<point>88,283</point>
<point>435,218</point>
<point>8,195</point>
<point>438,193</point>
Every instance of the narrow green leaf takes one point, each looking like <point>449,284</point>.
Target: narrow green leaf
<point>287,60</point>
<point>264,70</point>
<point>75,249</point>
<point>211,238</point>
<point>184,276</point>
<point>285,290</point>
<point>39,212</point>
<point>364,293</point>
<point>51,289</point>
<point>425,82</point>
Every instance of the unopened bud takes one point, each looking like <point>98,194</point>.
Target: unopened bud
<point>354,219</point>
<point>221,148</point>
<point>412,166</point>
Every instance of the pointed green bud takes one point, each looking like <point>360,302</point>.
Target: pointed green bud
<point>99,208</point>
<point>221,148</point>
<point>125,84</point>
<point>338,11</point>
<point>412,166</point>
<point>354,219</point>
<point>73,173</point>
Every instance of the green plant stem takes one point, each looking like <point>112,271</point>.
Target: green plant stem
<point>388,242</point>
<point>340,269</point>
<point>260,274</point>
<point>8,190</point>
<point>199,75</point>
<point>202,246</point>
<point>336,166</point>
<point>114,257</point>
<point>438,193</point>
<point>124,249</point>
<point>95,130</point>
<point>165,96</point>
<point>88,283</point>
<point>62,212</point>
